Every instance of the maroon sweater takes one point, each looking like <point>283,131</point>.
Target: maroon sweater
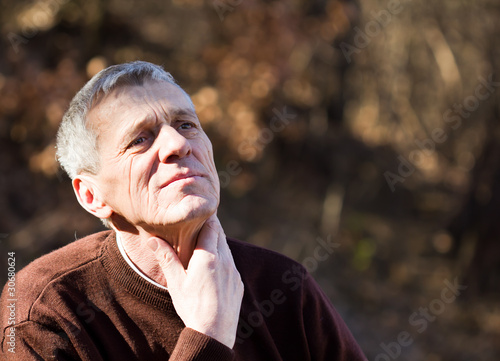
<point>84,302</point>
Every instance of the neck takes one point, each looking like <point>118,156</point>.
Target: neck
<point>182,240</point>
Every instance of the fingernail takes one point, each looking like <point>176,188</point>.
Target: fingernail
<point>153,244</point>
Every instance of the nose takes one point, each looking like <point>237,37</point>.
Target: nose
<point>172,145</point>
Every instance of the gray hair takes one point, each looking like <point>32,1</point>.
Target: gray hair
<point>77,148</point>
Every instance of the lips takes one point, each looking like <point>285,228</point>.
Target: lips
<point>181,176</point>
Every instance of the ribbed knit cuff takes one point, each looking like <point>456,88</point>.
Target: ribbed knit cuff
<point>193,345</point>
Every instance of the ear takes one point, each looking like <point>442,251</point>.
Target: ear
<point>89,197</point>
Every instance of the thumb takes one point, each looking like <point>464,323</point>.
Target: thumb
<point>170,263</point>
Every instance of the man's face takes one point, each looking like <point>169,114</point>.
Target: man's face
<point>157,166</point>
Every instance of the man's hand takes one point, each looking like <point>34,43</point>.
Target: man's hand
<point>207,296</point>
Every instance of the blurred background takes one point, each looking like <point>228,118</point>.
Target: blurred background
<point>370,125</point>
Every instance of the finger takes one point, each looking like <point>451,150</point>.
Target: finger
<point>208,236</point>
<point>170,263</point>
<point>215,225</point>
<point>223,248</point>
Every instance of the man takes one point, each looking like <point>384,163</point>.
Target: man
<point>164,283</point>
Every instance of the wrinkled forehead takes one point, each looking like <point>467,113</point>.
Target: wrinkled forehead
<point>131,100</point>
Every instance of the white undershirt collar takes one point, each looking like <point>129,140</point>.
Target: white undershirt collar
<point>132,265</point>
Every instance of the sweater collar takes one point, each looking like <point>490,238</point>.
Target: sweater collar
<point>132,265</point>
<point>122,274</point>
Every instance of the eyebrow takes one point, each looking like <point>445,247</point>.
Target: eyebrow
<point>178,112</point>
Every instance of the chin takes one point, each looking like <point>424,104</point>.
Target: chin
<point>190,209</point>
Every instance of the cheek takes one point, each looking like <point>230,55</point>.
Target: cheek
<point>208,157</point>
<point>139,175</point>
<point>130,182</point>
<point>215,175</point>
<point>208,162</point>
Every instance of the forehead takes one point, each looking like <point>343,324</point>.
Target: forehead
<point>131,101</point>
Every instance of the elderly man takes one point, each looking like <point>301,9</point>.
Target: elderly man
<point>163,283</point>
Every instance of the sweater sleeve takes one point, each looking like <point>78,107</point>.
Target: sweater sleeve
<point>328,337</point>
<point>193,345</point>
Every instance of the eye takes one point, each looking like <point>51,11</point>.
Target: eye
<point>186,125</point>
<point>137,142</point>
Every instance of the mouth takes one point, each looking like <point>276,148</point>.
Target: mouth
<point>183,178</point>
